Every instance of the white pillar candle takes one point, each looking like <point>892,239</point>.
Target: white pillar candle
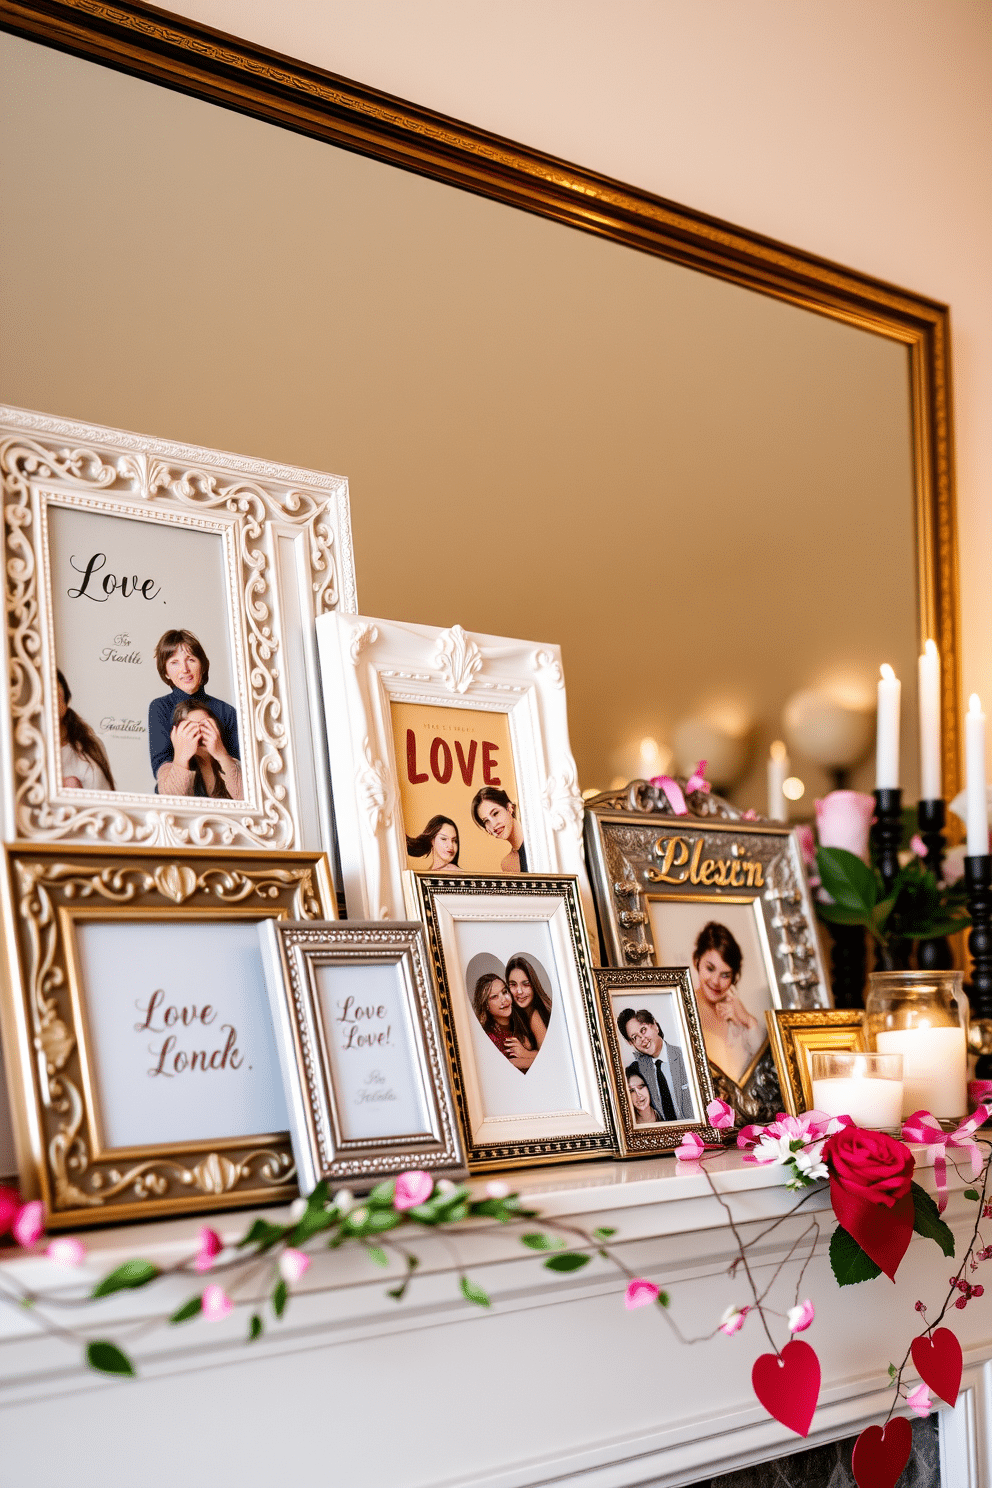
<point>778,769</point>
<point>934,1069</point>
<point>867,1100</point>
<point>887,730</point>
<point>931,782</point>
<point>976,810</point>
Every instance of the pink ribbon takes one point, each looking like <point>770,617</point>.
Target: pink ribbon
<point>697,782</point>
<point>922,1127</point>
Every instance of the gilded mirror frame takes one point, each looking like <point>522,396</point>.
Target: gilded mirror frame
<point>178,53</point>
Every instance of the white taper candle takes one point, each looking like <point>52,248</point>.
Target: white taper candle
<point>976,810</point>
<point>931,780</point>
<point>887,730</point>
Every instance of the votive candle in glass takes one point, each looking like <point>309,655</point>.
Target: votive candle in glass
<point>866,1087</point>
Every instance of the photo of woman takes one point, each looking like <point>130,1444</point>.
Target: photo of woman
<point>495,813</point>
<point>640,1097</point>
<point>85,765</point>
<point>502,1021</point>
<point>200,766</point>
<point>733,1036</point>
<point>438,842</point>
<point>183,666</point>
<point>529,995</point>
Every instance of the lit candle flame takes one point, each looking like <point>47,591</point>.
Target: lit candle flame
<point>887,672</point>
<point>778,750</point>
<point>974,703</point>
<point>931,648</point>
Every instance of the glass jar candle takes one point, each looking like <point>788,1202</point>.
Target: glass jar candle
<point>923,1015</point>
<point>866,1087</point>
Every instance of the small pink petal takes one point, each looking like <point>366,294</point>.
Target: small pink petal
<point>293,1264</point>
<point>749,815</point>
<point>497,1189</point>
<point>10,1204</point>
<point>216,1303</point>
<point>66,1251</point>
<point>211,1246</point>
<point>29,1225</point>
<point>640,1293</point>
<point>733,1320</point>
<point>720,1115</point>
<point>412,1189</point>
<point>918,845</point>
<point>919,1401</point>
<point>690,1149</point>
<point>799,1318</point>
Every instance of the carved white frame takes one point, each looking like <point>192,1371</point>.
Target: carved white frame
<point>368,664</point>
<point>288,558</point>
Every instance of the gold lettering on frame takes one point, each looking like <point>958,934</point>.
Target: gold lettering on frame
<point>680,861</point>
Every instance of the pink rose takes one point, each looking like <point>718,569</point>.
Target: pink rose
<point>10,1204</point>
<point>29,1225</point>
<point>412,1188</point>
<point>640,1293</point>
<point>807,844</point>
<point>843,819</point>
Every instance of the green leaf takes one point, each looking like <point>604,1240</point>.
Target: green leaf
<point>932,928</point>
<point>311,1223</point>
<point>883,909</point>
<point>474,1293</point>
<point>280,1296</point>
<point>848,1261</point>
<point>188,1310</point>
<point>382,1194</point>
<point>264,1235</point>
<point>255,1326</point>
<point>893,1371</point>
<point>377,1255</point>
<point>848,881</point>
<point>973,1194</point>
<point>109,1359</point>
<point>927,1220</point>
<point>136,1273</point>
<point>603,1233</point>
<point>662,1299</point>
<point>570,1261</point>
<point>537,1241</point>
<point>834,914</point>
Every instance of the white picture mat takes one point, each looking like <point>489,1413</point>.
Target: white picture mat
<point>666,1009</point>
<point>378,1089</point>
<point>111,695</point>
<point>562,1100</point>
<point>218,964</point>
<point>675,925</point>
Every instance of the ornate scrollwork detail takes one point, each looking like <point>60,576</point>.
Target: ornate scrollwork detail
<point>458,659</point>
<point>375,790</point>
<point>548,661</point>
<point>563,801</point>
<point>175,881</point>
<point>642,796</point>
<point>364,636</point>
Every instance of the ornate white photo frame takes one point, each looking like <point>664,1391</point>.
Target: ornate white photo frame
<point>282,547</point>
<point>367,667</point>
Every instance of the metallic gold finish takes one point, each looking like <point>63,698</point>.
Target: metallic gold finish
<point>794,1035</point>
<point>50,888</point>
<point>178,53</point>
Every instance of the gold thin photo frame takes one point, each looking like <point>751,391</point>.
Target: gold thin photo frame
<point>795,1035</point>
<point>72,1071</point>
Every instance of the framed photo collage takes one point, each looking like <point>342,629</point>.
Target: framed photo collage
<point>291,893</point>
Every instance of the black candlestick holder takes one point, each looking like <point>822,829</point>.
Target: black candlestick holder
<point>886,835</point>
<point>931,817</point>
<point>978,882</point>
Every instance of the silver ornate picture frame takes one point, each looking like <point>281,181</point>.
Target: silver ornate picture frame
<point>361,1051</point>
<point>723,895</point>
<point>112,540</point>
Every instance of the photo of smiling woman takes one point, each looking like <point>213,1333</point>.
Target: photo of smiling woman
<point>533,1002</point>
<point>495,813</point>
<point>502,1021</point>
<point>183,666</point>
<point>733,1036</point>
<point>640,1097</point>
<point>438,842</point>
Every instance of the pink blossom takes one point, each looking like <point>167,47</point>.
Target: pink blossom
<point>10,1203</point>
<point>29,1225</point>
<point>216,1303</point>
<point>293,1264</point>
<point>733,1320</point>
<point>412,1189</point>
<point>211,1246</point>
<point>749,815</point>
<point>691,1148</point>
<point>497,1189</point>
<point>66,1251</point>
<point>953,868</point>
<point>843,819</point>
<point>919,1401</point>
<point>773,1143</point>
<point>640,1293</point>
<point>800,1317</point>
<point>720,1114</point>
<point>918,845</point>
<point>697,780</point>
<point>807,845</point>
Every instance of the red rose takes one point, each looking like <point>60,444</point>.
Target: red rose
<point>869,1165</point>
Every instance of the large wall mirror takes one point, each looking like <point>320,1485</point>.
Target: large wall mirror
<point>717,472</point>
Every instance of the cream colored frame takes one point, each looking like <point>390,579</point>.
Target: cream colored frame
<point>49,887</point>
<point>287,558</point>
<point>794,1034</point>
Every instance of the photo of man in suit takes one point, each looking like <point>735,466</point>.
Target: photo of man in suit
<point>661,1065</point>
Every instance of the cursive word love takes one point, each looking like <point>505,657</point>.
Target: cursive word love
<point>111,583</point>
<point>357,1031</point>
<point>170,1059</point>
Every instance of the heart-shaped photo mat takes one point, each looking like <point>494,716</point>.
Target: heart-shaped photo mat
<point>484,964</point>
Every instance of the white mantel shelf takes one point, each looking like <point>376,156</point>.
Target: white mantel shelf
<point>556,1384</point>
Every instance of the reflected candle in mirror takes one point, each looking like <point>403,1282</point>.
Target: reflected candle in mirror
<point>934,1062</point>
<point>887,730</point>
<point>778,769</point>
<point>866,1087</point>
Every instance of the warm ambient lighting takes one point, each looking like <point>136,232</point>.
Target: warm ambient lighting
<point>974,703</point>
<point>887,672</point>
<point>930,648</point>
<point>793,788</point>
<point>589,792</point>
<point>649,751</point>
<point>778,751</point>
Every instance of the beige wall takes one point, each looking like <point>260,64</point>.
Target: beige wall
<point>859,132</point>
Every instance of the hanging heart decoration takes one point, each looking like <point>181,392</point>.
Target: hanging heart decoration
<point>881,1452</point>
<point>938,1361</point>
<point>788,1385</point>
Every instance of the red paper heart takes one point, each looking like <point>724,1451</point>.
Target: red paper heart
<point>883,1233</point>
<point>788,1385</point>
<point>881,1452</point>
<point>938,1362</point>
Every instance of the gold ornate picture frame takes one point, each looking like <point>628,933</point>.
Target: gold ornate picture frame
<point>140,1052</point>
<point>794,1035</point>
